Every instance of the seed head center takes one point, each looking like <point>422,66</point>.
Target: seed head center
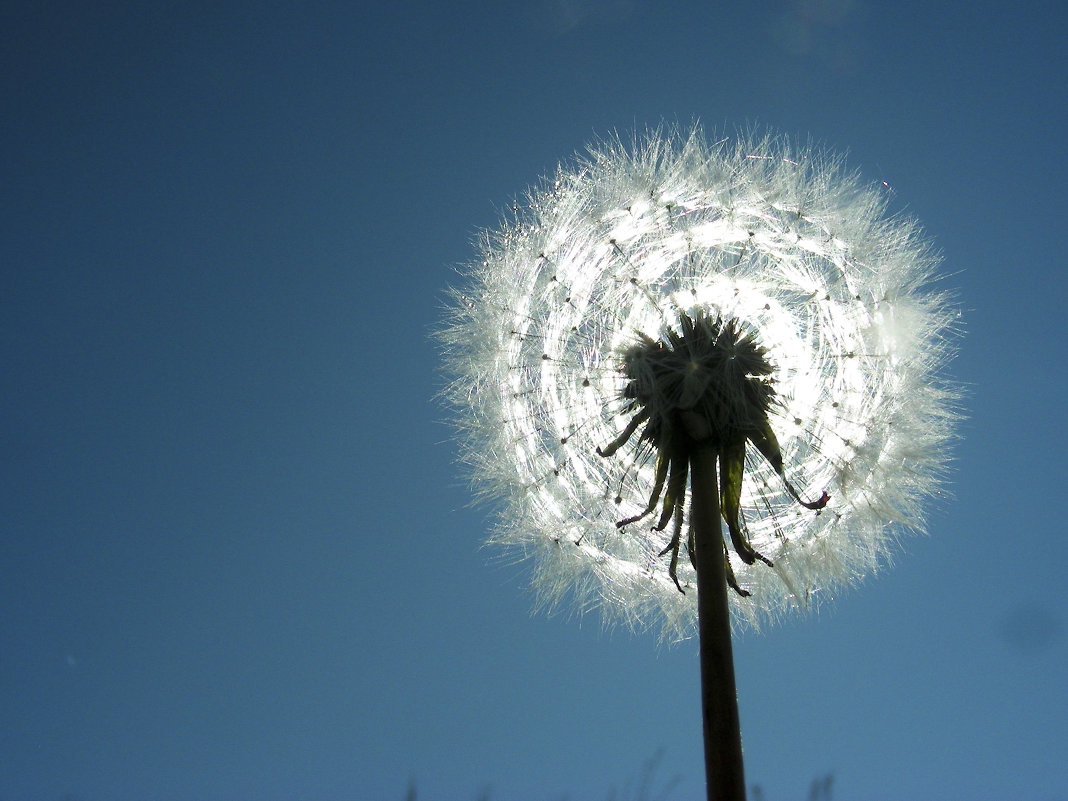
<point>709,378</point>
<point>705,385</point>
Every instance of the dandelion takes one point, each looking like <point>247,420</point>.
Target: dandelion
<point>674,335</point>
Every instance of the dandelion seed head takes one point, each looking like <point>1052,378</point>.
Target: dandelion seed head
<point>564,327</point>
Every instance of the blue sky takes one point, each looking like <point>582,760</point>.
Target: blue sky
<point>237,559</point>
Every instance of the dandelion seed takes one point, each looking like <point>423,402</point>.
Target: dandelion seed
<point>748,295</point>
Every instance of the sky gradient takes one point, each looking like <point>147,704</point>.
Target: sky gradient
<point>237,558</point>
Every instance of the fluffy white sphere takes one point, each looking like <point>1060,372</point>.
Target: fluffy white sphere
<point>622,243</point>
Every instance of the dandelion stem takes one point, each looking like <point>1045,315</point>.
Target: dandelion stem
<point>724,772</point>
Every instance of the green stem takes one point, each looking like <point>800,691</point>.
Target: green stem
<point>724,773</point>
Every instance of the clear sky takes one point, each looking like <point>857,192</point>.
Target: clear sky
<point>237,560</point>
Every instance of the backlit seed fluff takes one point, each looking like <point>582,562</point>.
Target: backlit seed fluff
<point>617,252</point>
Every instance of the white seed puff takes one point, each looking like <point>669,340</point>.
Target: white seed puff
<point>623,244</point>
